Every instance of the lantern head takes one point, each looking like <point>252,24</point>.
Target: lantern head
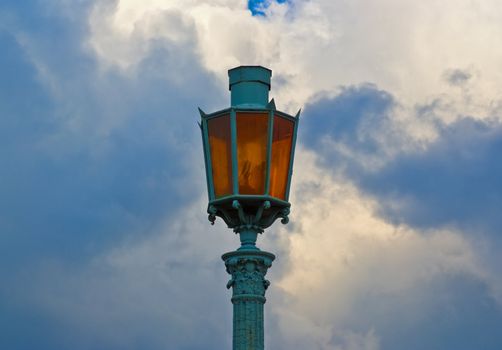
<point>249,151</point>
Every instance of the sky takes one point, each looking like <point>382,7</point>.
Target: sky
<point>395,231</point>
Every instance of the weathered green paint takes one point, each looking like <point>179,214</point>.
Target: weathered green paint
<point>249,86</point>
<point>248,269</point>
<point>248,215</point>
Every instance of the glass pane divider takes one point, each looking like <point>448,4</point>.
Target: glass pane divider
<point>233,137</point>
<point>269,150</point>
<point>292,158</point>
<point>207,159</point>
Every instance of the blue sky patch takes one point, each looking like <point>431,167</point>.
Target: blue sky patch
<point>258,7</point>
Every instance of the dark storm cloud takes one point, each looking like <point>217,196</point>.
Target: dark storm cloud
<point>459,314</point>
<point>456,180</point>
<point>355,119</point>
<point>88,158</point>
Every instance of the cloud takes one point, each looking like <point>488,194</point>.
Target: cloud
<point>141,294</point>
<point>92,159</point>
<point>103,233</point>
<point>90,154</point>
<point>455,181</point>
<point>317,46</point>
<point>449,179</point>
<point>347,128</point>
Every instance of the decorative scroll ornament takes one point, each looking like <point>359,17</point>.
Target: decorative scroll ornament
<point>239,219</point>
<point>248,272</point>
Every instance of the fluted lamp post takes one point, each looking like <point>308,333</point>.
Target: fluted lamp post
<point>248,151</point>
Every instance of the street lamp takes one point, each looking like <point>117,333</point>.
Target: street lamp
<point>248,151</point>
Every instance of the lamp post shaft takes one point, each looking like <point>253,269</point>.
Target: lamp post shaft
<point>248,268</point>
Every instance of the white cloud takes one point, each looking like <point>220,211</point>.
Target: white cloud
<point>319,45</point>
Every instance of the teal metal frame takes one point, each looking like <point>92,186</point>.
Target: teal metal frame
<point>215,202</point>
<point>248,215</point>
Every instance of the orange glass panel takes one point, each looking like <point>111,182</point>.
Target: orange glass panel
<point>281,155</point>
<point>221,159</point>
<point>252,135</point>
